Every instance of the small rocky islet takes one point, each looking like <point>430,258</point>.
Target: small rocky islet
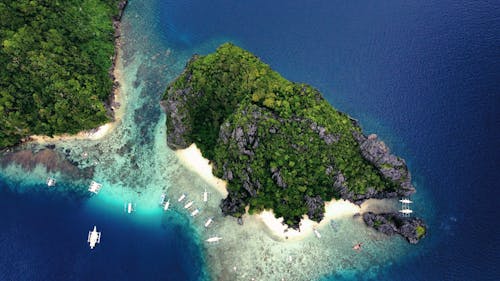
<point>280,145</point>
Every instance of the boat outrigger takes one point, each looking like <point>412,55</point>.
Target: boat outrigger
<point>167,204</point>
<point>214,239</point>
<point>195,212</point>
<point>209,221</point>
<point>51,182</point>
<point>182,197</point>
<point>189,204</point>
<point>94,237</point>
<point>95,187</point>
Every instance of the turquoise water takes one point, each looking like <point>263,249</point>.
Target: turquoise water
<point>378,62</point>
<point>44,231</point>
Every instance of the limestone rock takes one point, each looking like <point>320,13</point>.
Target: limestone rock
<point>394,223</point>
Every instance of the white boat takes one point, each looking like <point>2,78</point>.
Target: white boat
<point>195,212</point>
<point>205,196</point>
<point>213,239</point>
<point>189,204</point>
<point>208,222</point>
<point>129,208</point>
<point>316,232</point>
<point>406,211</point>
<point>162,199</point>
<point>95,187</point>
<point>405,201</point>
<point>51,182</point>
<point>167,204</point>
<point>181,198</point>
<point>94,237</point>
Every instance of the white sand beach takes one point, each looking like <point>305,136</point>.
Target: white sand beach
<point>334,209</point>
<point>193,160</point>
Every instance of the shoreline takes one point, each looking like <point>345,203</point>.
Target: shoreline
<point>116,101</point>
<point>334,209</point>
<point>192,159</point>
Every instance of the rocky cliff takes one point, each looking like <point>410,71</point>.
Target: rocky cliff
<point>411,228</point>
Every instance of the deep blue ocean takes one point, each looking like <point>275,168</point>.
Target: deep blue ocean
<point>423,75</point>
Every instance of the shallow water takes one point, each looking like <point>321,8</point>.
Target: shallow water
<point>377,62</point>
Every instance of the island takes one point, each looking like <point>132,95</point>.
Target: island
<point>279,145</point>
<point>57,62</point>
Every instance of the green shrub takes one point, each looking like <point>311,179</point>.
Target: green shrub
<point>420,231</point>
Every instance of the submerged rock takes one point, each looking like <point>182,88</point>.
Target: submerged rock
<point>52,160</point>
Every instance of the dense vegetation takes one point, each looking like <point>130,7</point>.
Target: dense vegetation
<point>420,231</point>
<point>55,56</point>
<point>278,143</point>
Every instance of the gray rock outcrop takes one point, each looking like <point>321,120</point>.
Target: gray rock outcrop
<point>411,228</point>
<point>389,165</point>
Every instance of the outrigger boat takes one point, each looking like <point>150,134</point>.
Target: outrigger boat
<point>205,196</point>
<point>189,204</point>
<point>209,221</point>
<point>195,212</point>
<point>51,182</point>
<point>405,201</point>
<point>162,199</point>
<point>94,237</point>
<point>213,239</point>
<point>316,232</point>
<point>167,204</point>
<point>95,187</point>
<point>406,211</point>
<point>129,207</point>
<point>181,198</point>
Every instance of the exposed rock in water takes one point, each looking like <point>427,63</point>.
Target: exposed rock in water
<point>411,228</point>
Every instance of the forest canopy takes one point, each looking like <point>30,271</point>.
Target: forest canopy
<point>55,58</point>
